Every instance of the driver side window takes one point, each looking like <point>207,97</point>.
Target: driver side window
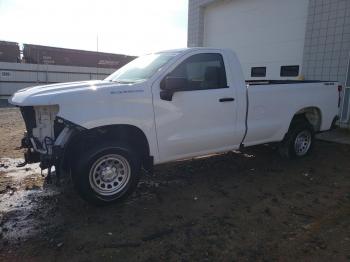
<point>202,71</point>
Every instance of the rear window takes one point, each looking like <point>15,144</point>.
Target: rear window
<point>258,71</point>
<point>290,70</point>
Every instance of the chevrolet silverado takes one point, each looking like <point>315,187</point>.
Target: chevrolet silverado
<point>163,107</point>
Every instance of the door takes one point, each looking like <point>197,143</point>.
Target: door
<point>201,118</point>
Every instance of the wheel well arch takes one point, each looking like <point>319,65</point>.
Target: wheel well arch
<point>312,114</point>
<point>124,133</point>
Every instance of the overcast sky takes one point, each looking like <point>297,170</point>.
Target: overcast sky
<point>132,27</point>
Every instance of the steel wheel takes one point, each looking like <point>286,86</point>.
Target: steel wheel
<point>109,174</point>
<point>302,143</point>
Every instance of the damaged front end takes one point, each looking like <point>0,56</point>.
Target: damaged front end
<point>47,135</point>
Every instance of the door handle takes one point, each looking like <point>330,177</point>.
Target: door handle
<point>226,99</point>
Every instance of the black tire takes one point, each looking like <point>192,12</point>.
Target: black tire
<point>87,172</point>
<point>299,128</point>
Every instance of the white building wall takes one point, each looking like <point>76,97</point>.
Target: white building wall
<point>195,21</point>
<point>271,31</point>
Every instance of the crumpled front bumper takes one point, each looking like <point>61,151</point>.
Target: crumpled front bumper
<point>46,136</point>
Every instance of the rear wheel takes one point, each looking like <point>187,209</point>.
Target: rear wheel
<point>105,174</point>
<point>302,143</point>
<point>299,140</point>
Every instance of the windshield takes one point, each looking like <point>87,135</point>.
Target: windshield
<point>141,68</point>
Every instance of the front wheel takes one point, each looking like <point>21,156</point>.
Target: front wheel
<point>106,174</point>
<point>299,140</point>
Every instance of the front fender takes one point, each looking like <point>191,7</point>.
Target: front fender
<point>113,106</point>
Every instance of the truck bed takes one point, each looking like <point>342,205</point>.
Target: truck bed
<point>272,106</point>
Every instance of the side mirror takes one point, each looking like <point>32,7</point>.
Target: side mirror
<point>170,85</point>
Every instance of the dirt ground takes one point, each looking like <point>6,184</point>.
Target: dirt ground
<point>11,132</point>
<point>250,206</point>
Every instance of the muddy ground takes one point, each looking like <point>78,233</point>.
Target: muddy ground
<point>251,206</point>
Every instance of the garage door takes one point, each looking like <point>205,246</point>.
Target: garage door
<point>267,33</point>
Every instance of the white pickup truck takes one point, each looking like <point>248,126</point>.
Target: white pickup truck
<point>163,107</point>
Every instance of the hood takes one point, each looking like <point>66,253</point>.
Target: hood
<point>43,95</point>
